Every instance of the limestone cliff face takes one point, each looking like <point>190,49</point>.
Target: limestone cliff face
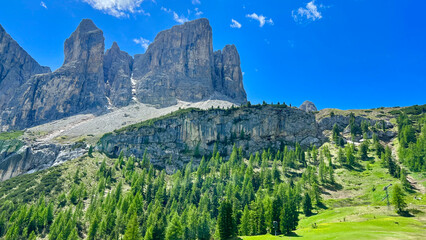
<point>18,157</point>
<point>75,87</point>
<point>180,65</point>
<point>16,67</point>
<point>228,78</point>
<point>117,71</point>
<point>253,128</point>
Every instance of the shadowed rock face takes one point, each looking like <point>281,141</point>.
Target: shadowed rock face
<point>117,71</point>
<point>16,67</point>
<point>228,78</point>
<point>253,128</point>
<point>179,65</point>
<point>78,85</point>
<point>308,106</point>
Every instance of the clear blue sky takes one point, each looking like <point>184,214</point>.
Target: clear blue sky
<point>343,54</point>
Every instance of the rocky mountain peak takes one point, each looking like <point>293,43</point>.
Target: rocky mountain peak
<point>180,65</point>
<point>228,78</point>
<point>16,68</point>
<point>86,44</point>
<point>115,47</point>
<point>87,25</point>
<point>117,72</point>
<point>308,106</point>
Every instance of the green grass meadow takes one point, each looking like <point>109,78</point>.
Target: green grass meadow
<point>356,223</point>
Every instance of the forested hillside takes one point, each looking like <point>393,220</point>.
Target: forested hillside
<point>290,190</point>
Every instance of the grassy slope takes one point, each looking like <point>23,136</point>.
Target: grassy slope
<point>356,210</point>
<point>367,223</point>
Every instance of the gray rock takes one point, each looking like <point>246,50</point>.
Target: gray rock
<point>228,78</point>
<point>77,86</point>
<point>253,128</point>
<point>342,122</point>
<point>117,71</point>
<point>28,158</point>
<point>308,106</point>
<point>180,65</point>
<point>16,68</point>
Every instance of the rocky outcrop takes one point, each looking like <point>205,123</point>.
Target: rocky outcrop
<point>117,71</point>
<point>342,122</point>
<point>17,157</point>
<point>16,67</point>
<point>77,86</point>
<point>308,106</point>
<point>228,78</point>
<point>189,131</point>
<point>180,65</point>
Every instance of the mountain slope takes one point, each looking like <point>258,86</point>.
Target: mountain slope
<point>95,195</point>
<point>179,65</point>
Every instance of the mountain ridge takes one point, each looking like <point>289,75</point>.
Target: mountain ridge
<point>92,80</point>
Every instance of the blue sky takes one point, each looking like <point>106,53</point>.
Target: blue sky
<point>343,54</point>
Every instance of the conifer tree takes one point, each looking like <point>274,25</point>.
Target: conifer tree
<point>336,134</point>
<point>94,226</point>
<point>286,219</point>
<point>341,157</point>
<point>403,177</point>
<point>398,199</point>
<point>307,205</point>
<point>244,227</point>
<point>174,229</point>
<point>203,231</point>
<point>350,158</point>
<point>225,221</point>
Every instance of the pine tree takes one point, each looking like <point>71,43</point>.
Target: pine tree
<point>307,205</point>
<point>403,177</point>
<point>73,235</point>
<point>316,192</point>
<point>398,199</point>
<point>336,134</point>
<point>49,214</point>
<point>203,231</point>
<point>132,229</point>
<point>32,236</point>
<point>388,162</point>
<point>94,226</point>
<point>245,222</point>
<point>286,219</point>
<point>341,157</point>
<point>363,150</point>
<point>174,230</point>
<point>225,221</point>
<point>350,158</point>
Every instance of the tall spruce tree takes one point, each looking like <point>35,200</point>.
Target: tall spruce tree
<point>398,199</point>
<point>174,230</point>
<point>244,228</point>
<point>225,220</point>
<point>307,205</point>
